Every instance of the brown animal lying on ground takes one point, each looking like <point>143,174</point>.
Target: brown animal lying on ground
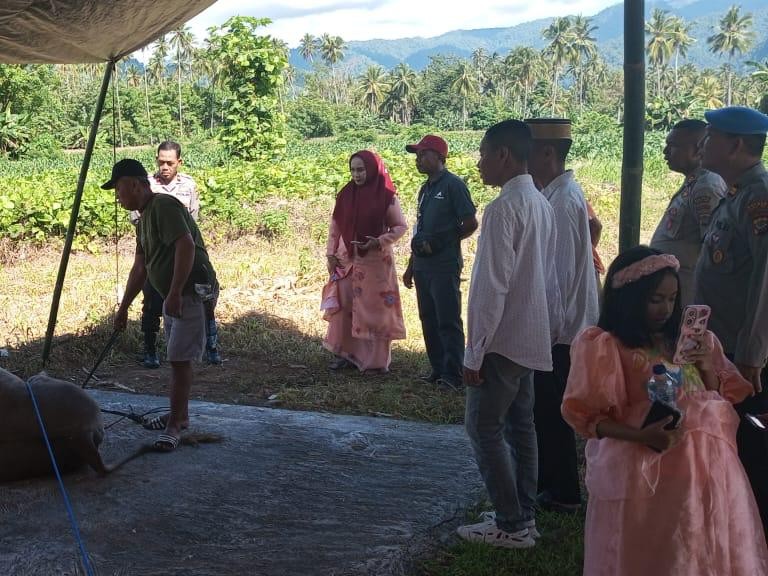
<point>72,420</point>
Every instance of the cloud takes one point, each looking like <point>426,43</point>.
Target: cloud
<point>387,19</point>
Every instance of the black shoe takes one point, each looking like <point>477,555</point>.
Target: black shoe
<point>449,385</point>
<point>545,501</point>
<point>151,360</point>
<point>430,378</point>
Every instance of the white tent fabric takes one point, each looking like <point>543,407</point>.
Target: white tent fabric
<point>76,31</point>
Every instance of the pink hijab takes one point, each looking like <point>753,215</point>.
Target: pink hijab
<point>360,210</point>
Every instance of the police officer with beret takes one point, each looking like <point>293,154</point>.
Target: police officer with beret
<point>732,270</point>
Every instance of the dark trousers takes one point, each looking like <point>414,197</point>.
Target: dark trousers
<point>558,467</point>
<point>439,299</point>
<point>753,447</point>
<point>151,309</point>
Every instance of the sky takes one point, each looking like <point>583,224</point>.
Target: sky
<point>387,19</point>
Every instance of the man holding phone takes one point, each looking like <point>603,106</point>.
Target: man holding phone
<point>732,270</point>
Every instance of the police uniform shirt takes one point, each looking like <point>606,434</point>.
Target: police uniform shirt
<point>442,206</point>
<point>732,270</point>
<point>182,187</point>
<point>685,223</point>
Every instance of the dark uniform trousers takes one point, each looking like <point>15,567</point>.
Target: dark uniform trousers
<point>753,447</point>
<point>439,300</point>
<point>151,309</point>
<point>558,467</point>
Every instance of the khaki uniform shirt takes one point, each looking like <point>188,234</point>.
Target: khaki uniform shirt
<point>732,271</point>
<point>685,223</point>
<point>182,187</point>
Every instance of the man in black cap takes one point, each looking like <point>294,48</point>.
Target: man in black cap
<point>170,252</point>
<point>732,270</point>
<point>445,216</point>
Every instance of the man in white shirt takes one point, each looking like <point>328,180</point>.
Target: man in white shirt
<point>510,331</point>
<point>559,488</point>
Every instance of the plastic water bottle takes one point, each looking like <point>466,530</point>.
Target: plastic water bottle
<point>662,386</point>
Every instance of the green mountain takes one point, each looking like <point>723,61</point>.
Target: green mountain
<point>416,52</point>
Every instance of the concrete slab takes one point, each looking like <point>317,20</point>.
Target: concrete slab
<point>286,493</point>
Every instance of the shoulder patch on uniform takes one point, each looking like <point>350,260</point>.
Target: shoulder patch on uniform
<point>757,210</point>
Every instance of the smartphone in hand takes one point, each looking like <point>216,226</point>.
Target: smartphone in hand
<point>692,330</point>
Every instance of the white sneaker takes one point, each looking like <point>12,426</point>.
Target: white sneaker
<point>491,515</point>
<point>489,533</point>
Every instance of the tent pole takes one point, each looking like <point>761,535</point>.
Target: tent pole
<point>75,212</point>
<point>634,124</point>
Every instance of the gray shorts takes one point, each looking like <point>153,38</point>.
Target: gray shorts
<point>185,336</point>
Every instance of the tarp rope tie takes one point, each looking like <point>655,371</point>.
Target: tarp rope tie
<point>86,559</point>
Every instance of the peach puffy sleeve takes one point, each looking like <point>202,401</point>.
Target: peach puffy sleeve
<point>733,386</point>
<point>596,387</point>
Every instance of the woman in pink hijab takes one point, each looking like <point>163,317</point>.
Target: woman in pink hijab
<point>362,300</point>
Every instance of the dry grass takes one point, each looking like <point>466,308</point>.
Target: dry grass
<point>270,325</point>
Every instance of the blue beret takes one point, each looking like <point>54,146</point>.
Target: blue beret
<point>737,120</point>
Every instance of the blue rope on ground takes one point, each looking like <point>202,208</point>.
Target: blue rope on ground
<point>70,512</point>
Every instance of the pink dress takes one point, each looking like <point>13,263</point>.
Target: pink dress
<point>370,315</point>
<point>688,511</point>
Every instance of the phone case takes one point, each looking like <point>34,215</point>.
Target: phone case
<point>660,411</point>
<point>692,327</point>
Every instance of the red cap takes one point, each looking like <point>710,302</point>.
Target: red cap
<point>430,142</point>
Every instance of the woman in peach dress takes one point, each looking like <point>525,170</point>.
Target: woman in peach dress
<point>366,221</point>
<point>687,510</point>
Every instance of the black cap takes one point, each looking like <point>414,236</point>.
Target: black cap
<point>126,167</point>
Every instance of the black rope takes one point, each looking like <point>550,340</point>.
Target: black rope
<point>132,415</point>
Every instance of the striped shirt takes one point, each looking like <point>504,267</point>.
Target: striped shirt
<point>514,300</point>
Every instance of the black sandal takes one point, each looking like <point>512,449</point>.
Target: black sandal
<point>339,363</point>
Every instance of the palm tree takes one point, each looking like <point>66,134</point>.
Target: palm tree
<point>525,64</point>
<point>332,48</point>
<point>308,47</point>
<point>584,47</point>
<point>681,40</point>
<point>399,101</point>
<point>660,29</point>
<point>372,87</point>
<point>464,85</point>
<point>732,36</point>
<point>480,63</point>
<point>760,73</point>
<point>157,65</point>
<point>560,50</point>
<point>183,42</point>
<point>707,91</point>
<point>146,97</point>
<point>133,75</point>
<point>332,51</point>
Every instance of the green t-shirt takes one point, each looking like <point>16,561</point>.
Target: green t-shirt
<point>163,221</point>
<point>442,205</point>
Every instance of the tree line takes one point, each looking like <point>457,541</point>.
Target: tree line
<point>188,89</point>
